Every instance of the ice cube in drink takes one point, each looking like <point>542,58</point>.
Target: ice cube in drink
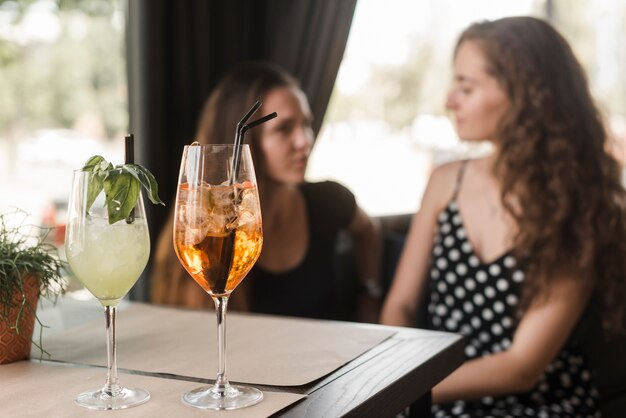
<point>217,234</point>
<point>108,259</point>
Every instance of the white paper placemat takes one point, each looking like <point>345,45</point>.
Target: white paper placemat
<point>38,390</point>
<point>260,349</point>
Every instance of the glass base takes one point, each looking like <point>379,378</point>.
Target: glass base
<point>102,401</point>
<point>233,397</point>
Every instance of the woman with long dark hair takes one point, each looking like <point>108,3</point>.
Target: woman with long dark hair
<point>295,274</point>
<point>525,238</point>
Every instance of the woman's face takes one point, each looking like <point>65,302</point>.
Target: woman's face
<point>477,99</point>
<point>287,140</point>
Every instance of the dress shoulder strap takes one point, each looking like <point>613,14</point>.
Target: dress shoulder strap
<point>459,179</point>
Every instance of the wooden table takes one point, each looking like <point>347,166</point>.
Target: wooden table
<point>384,381</point>
<point>381,382</point>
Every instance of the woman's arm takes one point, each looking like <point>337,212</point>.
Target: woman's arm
<point>542,332</point>
<point>367,237</point>
<point>367,234</point>
<point>401,304</point>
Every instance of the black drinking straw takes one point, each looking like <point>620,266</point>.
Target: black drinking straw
<point>129,158</point>
<point>257,122</point>
<point>248,115</point>
<point>129,149</point>
<point>242,127</point>
<point>239,140</point>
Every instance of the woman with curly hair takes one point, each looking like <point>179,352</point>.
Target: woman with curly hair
<point>514,249</point>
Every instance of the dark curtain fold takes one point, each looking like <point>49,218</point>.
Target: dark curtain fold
<point>308,38</point>
<point>178,50</point>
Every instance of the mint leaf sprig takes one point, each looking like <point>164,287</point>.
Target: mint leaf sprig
<point>122,186</point>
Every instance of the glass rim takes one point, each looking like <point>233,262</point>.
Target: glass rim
<point>215,145</point>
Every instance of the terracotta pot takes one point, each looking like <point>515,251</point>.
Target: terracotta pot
<point>13,346</point>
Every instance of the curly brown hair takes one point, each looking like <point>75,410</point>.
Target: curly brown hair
<point>554,162</point>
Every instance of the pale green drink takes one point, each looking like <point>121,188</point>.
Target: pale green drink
<point>108,259</point>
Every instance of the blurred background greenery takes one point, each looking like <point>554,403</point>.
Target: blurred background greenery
<point>64,93</point>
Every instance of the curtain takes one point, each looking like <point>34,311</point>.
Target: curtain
<point>308,38</point>
<point>178,50</point>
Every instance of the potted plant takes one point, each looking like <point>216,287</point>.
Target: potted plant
<point>29,268</point>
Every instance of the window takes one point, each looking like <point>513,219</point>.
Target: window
<point>64,98</point>
<point>386,125</point>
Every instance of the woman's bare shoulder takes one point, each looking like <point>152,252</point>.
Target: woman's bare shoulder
<point>447,171</point>
<point>442,183</point>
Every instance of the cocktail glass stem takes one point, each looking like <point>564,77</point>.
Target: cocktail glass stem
<point>111,386</point>
<point>112,395</point>
<point>221,383</point>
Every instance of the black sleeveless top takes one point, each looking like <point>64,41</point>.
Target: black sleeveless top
<point>478,300</point>
<point>308,290</point>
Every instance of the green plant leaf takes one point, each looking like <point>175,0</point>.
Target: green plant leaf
<point>147,181</point>
<point>98,166</point>
<point>93,163</point>
<point>121,184</point>
<point>96,183</point>
<point>122,193</point>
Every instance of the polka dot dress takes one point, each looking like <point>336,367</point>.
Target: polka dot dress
<point>478,300</point>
